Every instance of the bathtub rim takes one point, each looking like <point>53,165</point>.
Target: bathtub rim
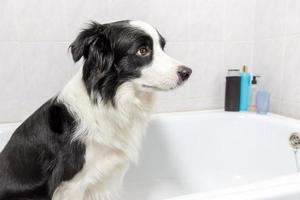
<point>193,112</point>
<point>225,114</point>
<point>271,188</point>
<point>8,126</point>
<point>221,111</point>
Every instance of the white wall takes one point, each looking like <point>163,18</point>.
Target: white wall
<point>208,35</point>
<point>277,53</point>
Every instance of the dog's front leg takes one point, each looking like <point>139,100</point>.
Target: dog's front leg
<point>69,191</point>
<point>108,187</point>
<point>98,180</point>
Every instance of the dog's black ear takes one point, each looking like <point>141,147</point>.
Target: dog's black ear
<point>87,38</point>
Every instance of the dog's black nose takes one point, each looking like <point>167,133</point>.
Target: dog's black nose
<point>184,72</point>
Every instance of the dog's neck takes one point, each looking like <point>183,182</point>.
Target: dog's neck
<point>128,115</point>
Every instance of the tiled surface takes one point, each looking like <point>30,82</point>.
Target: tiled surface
<point>293,17</point>
<point>206,18</point>
<point>270,18</point>
<point>267,64</point>
<point>291,71</point>
<point>291,109</point>
<point>77,14</point>
<point>290,93</point>
<point>170,17</point>
<point>11,82</point>
<point>41,20</point>
<point>276,53</point>
<point>129,10</point>
<point>239,20</point>
<point>47,69</point>
<point>238,54</point>
<point>8,21</point>
<point>210,36</point>
<point>208,70</point>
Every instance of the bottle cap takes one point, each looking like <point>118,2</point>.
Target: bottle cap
<point>233,72</point>
<point>245,68</point>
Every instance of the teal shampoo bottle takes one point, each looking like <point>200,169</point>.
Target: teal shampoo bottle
<point>244,89</point>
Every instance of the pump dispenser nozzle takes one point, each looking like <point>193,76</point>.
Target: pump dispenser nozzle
<point>254,81</point>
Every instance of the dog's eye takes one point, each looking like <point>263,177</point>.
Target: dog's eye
<point>143,51</point>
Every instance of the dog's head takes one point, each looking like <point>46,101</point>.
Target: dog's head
<point>124,51</point>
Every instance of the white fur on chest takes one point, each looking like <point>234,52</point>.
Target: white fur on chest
<point>112,136</point>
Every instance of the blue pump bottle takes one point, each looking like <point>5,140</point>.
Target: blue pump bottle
<point>244,89</point>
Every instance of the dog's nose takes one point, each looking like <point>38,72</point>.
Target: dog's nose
<point>184,72</point>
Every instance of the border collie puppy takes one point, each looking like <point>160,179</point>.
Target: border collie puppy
<point>79,144</point>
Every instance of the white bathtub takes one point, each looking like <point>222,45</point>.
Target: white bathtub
<point>216,155</point>
<point>212,155</point>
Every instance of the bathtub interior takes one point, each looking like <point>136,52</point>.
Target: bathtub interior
<point>192,153</point>
<point>201,152</point>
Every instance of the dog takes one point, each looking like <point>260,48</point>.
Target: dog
<point>79,144</point>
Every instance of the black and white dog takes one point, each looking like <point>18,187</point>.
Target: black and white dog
<point>79,144</point>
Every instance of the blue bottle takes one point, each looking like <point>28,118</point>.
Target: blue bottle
<point>245,89</point>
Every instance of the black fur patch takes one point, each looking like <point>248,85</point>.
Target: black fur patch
<point>40,155</point>
<point>110,59</point>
